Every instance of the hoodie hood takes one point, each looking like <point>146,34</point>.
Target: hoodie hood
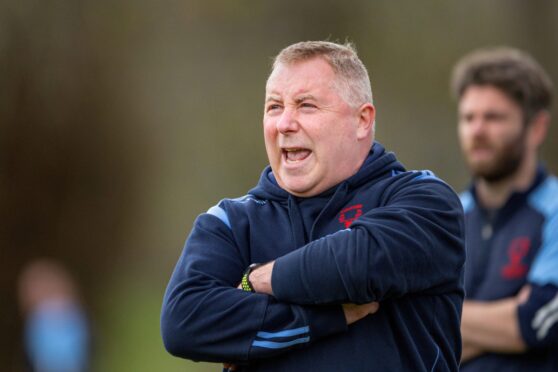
<point>378,163</point>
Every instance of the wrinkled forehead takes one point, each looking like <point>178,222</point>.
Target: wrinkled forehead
<point>315,73</point>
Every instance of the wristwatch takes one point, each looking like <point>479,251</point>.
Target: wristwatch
<point>245,282</point>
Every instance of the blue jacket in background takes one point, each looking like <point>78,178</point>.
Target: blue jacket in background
<point>507,249</point>
<point>384,235</point>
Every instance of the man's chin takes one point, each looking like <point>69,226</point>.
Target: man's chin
<point>491,175</point>
<point>480,169</point>
<point>494,172</point>
<point>294,186</point>
<point>484,171</point>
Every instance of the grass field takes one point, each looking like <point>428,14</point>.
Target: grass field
<point>127,336</point>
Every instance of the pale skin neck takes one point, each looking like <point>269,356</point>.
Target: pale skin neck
<point>493,195</point>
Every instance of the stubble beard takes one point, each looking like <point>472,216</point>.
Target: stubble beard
<point>505,163</point>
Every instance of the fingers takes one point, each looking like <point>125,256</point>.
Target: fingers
<point>354,312</point>
<point>523,294</point>
<point>374,306</point>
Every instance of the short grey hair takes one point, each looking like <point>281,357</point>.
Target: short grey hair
<point>353,82</point>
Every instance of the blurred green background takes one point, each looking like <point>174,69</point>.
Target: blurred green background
<point>121,121</point>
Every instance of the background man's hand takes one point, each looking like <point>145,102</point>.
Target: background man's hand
<point>523,294</point>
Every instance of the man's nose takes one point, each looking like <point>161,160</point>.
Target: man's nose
<point>478,126</point>
<point>287,122</point>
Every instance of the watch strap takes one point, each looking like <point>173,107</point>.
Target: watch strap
<point>245,282</point>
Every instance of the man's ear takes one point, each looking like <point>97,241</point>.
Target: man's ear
<point>538,127</point>
<point>366,121</point>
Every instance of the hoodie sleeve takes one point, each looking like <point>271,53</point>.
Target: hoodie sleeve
<point>205,317</point>
<point>412,244</point>
<point>538,317</point>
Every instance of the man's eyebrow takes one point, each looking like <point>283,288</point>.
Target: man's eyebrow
<point>496,113</point>
<point>272,98</point>
<point>304,98</point>
<point>297,100</point>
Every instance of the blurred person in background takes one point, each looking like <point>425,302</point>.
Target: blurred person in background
<point>346,261</point>
<point>56,331</point>
<point>510,316</point>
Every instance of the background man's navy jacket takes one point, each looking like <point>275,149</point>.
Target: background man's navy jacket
<point>383,235</point>
<point>507,249</point>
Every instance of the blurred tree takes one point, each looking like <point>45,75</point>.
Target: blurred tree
<point>66,182</point>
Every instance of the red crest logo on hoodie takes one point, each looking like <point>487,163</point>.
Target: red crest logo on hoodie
<point>517,250</point>
<point>348,215</point>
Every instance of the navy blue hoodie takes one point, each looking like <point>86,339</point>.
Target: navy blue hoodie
<point>384,235</point>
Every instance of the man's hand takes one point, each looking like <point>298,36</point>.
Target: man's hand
<point>354,313</point>
<point>492,326</point>
<point>469,351</point>
<point>228,367</point>
<point>260,278</point>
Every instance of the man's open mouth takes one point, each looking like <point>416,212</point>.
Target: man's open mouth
<point>295,154</point>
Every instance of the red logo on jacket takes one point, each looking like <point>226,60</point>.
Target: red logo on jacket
<point>348,215</point>
<point>517,250</point>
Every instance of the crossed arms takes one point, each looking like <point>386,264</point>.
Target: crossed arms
<point>385,255</point>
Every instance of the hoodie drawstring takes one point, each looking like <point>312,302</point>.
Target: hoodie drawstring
<point>332,207</point>
<point>297,223</point>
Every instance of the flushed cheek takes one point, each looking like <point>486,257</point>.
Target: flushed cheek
<point>271,142</point>
<point>270,128</point>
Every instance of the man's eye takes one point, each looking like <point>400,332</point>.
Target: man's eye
<point>495,117</point>
<point>273,107</point>
<point>466,118</point>
<point>307,105</point>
